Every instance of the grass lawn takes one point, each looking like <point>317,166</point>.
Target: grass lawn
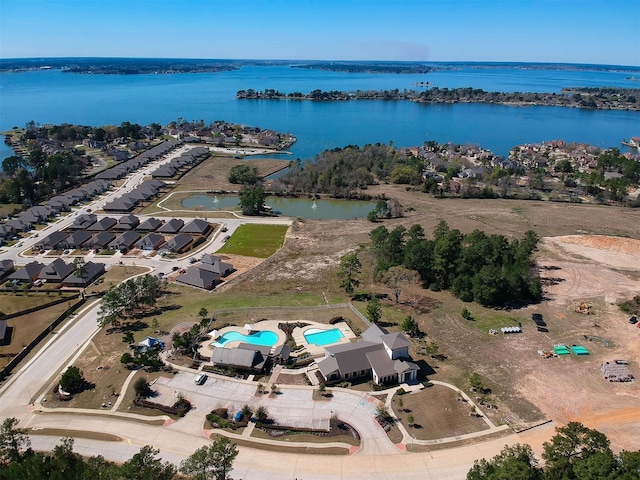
<point>254,240</point>
<point>11,303</point>
<point>114,276</point>
<point>25,328</point>
<point>437,414</point>
<point>9,208</point>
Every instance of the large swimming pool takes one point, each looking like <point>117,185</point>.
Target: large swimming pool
<point>319,337</point>
<point>263,337</point>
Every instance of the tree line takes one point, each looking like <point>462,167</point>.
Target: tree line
<point>18,461</point>
<point>487,269</point>
<point>574,452</point>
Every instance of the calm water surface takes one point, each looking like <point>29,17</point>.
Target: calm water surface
<point>56,97</point>
<point>328,209</point>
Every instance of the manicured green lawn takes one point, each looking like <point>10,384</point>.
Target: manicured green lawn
<point>254,240</point>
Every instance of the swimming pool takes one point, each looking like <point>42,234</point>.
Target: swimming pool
<point>319,337</point>
<point>263,337</point>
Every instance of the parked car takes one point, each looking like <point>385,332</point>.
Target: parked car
<point>200,379</point>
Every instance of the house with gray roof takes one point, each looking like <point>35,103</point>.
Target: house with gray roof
<point>6,268</point>
<point>149,225</point>
<point>381,356</point>
<point>245,357</point>
<point>6,232</point>
<point>125,242</point>
<point>51,241</point>
<point>172,226</point>
<point>152,241</point>
<point>76,239</point>
<point>100,241</point>
<point>179,244</point>
<point>213,263</point>
<point>121,204</point>
<point>29,273</point>
<point>196,226</point>
<point>84,221</point>
<point>197,277</point>
<point>105,223</point>
<point>127,222</point>
<point>92,272</point>
<point>18,225</point>
<point>56,271</point>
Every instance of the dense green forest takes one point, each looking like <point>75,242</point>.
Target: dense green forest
<point>487,269</point>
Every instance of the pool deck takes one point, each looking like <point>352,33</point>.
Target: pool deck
<point>206,348</point>
<point>315,351</point>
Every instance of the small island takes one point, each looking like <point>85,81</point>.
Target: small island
<point>600,98</point>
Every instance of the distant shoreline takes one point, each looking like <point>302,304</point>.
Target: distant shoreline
<point>138,66</point>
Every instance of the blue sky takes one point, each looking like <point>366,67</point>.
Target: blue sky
<point>575,31</point>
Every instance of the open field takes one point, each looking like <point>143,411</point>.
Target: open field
<point>437,414</point>
<point>255,240</point>
<point>11,303</point>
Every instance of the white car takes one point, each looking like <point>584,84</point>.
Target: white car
<point>200,379</point>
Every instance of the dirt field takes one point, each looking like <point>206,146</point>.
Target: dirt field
<point>600,270</point>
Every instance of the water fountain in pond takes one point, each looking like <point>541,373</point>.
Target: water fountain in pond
<point>313,205</point>
<point>215,199</point>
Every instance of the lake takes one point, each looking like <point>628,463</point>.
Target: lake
<point>289,207</point>
<point>51,96</point>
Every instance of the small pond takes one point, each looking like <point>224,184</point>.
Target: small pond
<point>289,207</point>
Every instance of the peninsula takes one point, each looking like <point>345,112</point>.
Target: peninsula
<point>600,98</point>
